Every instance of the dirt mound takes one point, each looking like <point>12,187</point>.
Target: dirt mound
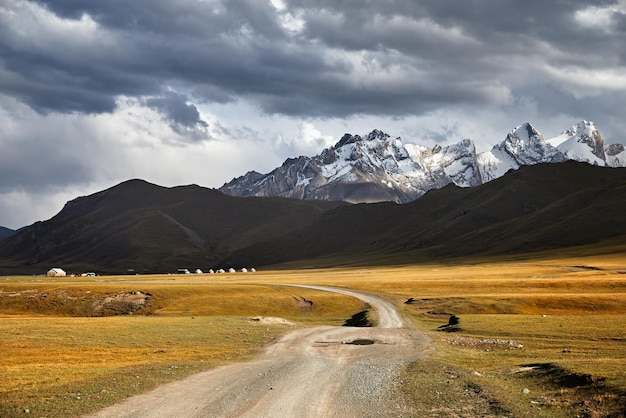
<point>121,304</point>
<point>77,302</point>
<point>303,304</point>
<point>271,320</point>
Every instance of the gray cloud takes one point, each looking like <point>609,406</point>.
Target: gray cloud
<point>174,106</point>
<point>349,58</point>
<point>74,64</point>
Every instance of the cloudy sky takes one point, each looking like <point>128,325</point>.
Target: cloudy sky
<point>93,93</point>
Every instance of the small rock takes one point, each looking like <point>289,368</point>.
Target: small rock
<point>525,391</point>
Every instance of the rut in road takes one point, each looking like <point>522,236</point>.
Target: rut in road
<point>313,372</point>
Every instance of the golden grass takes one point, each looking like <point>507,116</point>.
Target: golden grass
<point>53,364</point>
<point>50,364</point>
<point>568,313</point>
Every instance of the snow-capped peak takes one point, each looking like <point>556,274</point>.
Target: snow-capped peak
<point>524,134</point>
<point>374,136</point>
<point>526,146</point>
<point>582,128</point>
<point>375,167</point>
<point>581,142</point>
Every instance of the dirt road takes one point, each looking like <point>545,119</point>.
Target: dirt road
<point>313,372</point>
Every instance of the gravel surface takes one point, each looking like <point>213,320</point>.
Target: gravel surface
<point>313,372</point>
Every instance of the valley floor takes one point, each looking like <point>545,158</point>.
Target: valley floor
<point>311,372</point>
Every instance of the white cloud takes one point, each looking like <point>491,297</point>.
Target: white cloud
<point>20,208</point>
<point>600,17</point>
<point>586,82</point>
<point>37,28</point>
<point>422,28</point>
<point>309,141</point>
<point>49,159</point>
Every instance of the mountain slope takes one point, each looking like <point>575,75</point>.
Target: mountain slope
<point>378,168</point>
<point>141,226</point>
<point>535,208</point>
<point>5,232</point>
<point>148,228</point>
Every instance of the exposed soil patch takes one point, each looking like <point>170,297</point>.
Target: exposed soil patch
<point>120,304</point>
<point>560,376</point>
<point>437,315</point>
<point>359,319</point>
<point>77,302</point>
<point>484,343</point>
<point>271,320</point>
<point>588,394</point>
<point>587,268</point>
<point>303,304</point>
<point>361,341</point>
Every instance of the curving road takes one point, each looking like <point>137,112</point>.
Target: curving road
<point>312,372</point>
<point>388,316</point>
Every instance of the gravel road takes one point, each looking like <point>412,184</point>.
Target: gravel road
<point>312,372</point>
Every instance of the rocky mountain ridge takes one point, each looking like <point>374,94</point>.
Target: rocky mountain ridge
<point>377,167</point>
<point>139,227</point>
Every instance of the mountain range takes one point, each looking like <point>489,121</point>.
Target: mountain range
<point>141,227</point>
<point>535,209</point>
<point>376,167</point>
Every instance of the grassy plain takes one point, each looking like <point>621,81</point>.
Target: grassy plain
<point>536,337</point>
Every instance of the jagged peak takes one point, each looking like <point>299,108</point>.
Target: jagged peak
<point>350,139</point>
<point>525,132</point>
<point>377,158</point>
<point>377,134</point>
<point>347,139</point>
<point>292,160</point>
<point>582,126</point>
<point>584,129</point>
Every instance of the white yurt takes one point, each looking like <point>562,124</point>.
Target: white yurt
<point>56,272</point>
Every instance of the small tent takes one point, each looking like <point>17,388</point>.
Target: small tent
<point>56,272</point>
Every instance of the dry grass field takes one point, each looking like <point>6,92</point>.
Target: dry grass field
<point>535,337</point>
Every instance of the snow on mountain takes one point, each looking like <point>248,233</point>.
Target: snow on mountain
<point>524,145</point>
<point>378,168</point>
<point>582,142</point>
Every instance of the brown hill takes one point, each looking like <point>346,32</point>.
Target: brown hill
<point>536,208</point>
<point>140,226</point>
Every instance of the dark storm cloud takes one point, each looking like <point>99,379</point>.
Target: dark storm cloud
<point>77,77</point>
<point>337,59</point>
<point>174,106</point>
